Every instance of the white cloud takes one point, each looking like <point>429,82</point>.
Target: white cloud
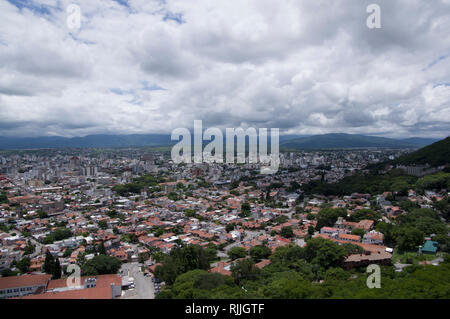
<point>304,66</point>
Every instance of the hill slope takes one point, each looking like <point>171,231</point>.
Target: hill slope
<point>435,154</point>
<point>345,141</point>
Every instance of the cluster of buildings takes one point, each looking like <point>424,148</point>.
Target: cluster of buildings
<point>41,286</point>
<point>64,202</point>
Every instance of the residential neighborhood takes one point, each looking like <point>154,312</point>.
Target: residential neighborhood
<point>136,207</point>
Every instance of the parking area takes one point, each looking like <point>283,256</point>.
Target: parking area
<point>141,287</point>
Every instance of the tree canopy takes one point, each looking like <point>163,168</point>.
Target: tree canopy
<point>101,265</point>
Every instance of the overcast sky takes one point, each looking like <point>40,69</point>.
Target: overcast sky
<point>306,67</point>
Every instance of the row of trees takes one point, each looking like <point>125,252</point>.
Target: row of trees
<point>183,259</point>
<point>59,234</point>
<point>291,276</point>
<point>257,253</point>
<point>52,266</point>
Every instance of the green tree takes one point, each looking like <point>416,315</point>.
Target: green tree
<point>364,214</point>
<point>324,253</point>
<point>245,270</point>
<point>102,224</point>
<point>329,216</point>
<point>42,214</point>
<point>444,242</point>
<point>101,248</point>
<point>24,264</point>
<point>3,198</point>
<point>237,252</point>
<point>199,284</point>
<point>408,238</point>
<point>56,273</point>
<point>48,263</point>
<point>29,249</point>
<point>101,265</point>
<point>259,252</point>
<point>8,272</point>
<point>245,210</point>
<point>181,260</point>
<point>288,285</point>
<point>287,232</point>
<point>67,252</point>
<point>358,231</point>
<point>352,249</point>
<point>311,230</point>
<point>229,227</point>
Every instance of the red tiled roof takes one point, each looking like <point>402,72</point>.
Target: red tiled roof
<point>24,281</point>
<point>263,263</point>
<point>88,293</point>
<point>102,281</point>
<point>220,270</point>
<point>349,237</point>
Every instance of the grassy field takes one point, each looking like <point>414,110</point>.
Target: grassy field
<point>411,257</point>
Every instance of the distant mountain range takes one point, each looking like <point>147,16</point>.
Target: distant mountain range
<point>341,140</point>
<point>101,140</point>
<point>326,141</point>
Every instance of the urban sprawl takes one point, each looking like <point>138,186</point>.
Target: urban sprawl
<point>121,214</point>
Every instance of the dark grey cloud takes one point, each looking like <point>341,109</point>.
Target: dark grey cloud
<point>306,67</point>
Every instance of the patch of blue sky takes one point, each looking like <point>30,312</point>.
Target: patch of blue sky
<point>439,59</point>
<point>81,40</point>
<point>126,4</point>
<point>441,84</point>
<point>123,3</point>
<point>36,8</point>
<point>122,92</point>
<point>2,42</point>
<point>154,87</point>
<point>177,17</point>
<point>135,101</point>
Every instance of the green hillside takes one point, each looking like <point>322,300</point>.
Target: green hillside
<point>435,154</point>
<point>339,141</point>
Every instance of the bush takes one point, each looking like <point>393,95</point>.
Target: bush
<point>101,265</point>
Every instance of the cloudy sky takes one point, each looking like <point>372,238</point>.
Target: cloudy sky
<point>144,66</point>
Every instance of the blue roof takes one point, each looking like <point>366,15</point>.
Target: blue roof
<point>430,246</point>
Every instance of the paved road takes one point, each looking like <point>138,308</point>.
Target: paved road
<point>400,266</point>
<point>437,261</point>
<point>38,245</point>
<point>144,288</point>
